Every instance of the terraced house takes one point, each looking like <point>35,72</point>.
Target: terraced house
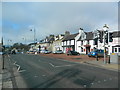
<point>85,43</point>
<point>82,42</point>
<point>57,43</point>
<point>69,42</point>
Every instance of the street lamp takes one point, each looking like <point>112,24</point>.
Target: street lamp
<point>9,43</point>
<point>34,34</point>
<point>24,38</point>
<point>105,28</point>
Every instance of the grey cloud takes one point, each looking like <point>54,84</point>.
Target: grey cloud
<point>55,18</point>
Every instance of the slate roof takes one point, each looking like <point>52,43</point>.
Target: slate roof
<point>70,37</point>
<point>89,35</point>
<point>116,34</point>
<point>51,39</point>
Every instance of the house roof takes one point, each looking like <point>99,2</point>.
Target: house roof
<point>116,34</point>
<point>51,39</point>
<point>89,35</point>
<point>70,37</point>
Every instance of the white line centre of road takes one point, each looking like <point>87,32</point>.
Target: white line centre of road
<point>59,66</point>
<point>52,65</point>
<point>63,66</point>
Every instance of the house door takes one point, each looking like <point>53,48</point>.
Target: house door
<point>87,50</point>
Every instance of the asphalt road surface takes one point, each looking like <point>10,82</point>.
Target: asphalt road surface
<point>34,71</point>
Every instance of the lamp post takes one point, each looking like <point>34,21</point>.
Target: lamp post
<point>24,38</point>
<point>9,42</point>
<point>34,33</point>
<point>105,28</point>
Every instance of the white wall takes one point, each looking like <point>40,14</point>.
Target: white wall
<point>116,41</point>
<point>68,42</point>
<point>91,42</point>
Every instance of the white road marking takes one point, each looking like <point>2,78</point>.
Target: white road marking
<point>15,62</point>
<point>18,67</point>
<point>22,71</point>
<point>59,66</point>
<point>63,66</point>
<point>52,65</point>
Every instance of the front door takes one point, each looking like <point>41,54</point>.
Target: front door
<point>87,50</point>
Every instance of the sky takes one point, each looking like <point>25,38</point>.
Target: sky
<point>18,18</point>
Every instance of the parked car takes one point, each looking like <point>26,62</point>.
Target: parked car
<point>2,53</point>
<point>47,52</point>
<point>58,52</point>
<point>99,53</point>
<point>73,53</point>
<point>42,51</point>
<point>30,52</point>
<point>13,52</point>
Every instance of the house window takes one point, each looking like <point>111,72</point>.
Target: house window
<point>119,49</point>
<point>115,49</point>
<point>81,49</point>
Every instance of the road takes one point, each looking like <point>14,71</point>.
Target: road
<point>34,71</point>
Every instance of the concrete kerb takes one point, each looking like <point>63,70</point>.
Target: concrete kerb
<point>103,66</point>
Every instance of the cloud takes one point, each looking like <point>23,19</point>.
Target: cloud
<point>55,18</point>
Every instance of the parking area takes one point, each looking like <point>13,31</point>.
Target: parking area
<point>76,58</point>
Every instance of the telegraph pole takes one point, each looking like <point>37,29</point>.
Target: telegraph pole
<point>34,34</point>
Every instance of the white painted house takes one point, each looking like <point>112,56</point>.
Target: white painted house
<point>57,43</point>
<point>114,46</point>
<point>85,43</point>
<point>68,43</point>
<point>111,47</point>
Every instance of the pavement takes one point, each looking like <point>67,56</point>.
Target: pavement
<point>5,75</point>
<point>111,66</point>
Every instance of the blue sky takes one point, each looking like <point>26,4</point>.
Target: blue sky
<point>55,18</point>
